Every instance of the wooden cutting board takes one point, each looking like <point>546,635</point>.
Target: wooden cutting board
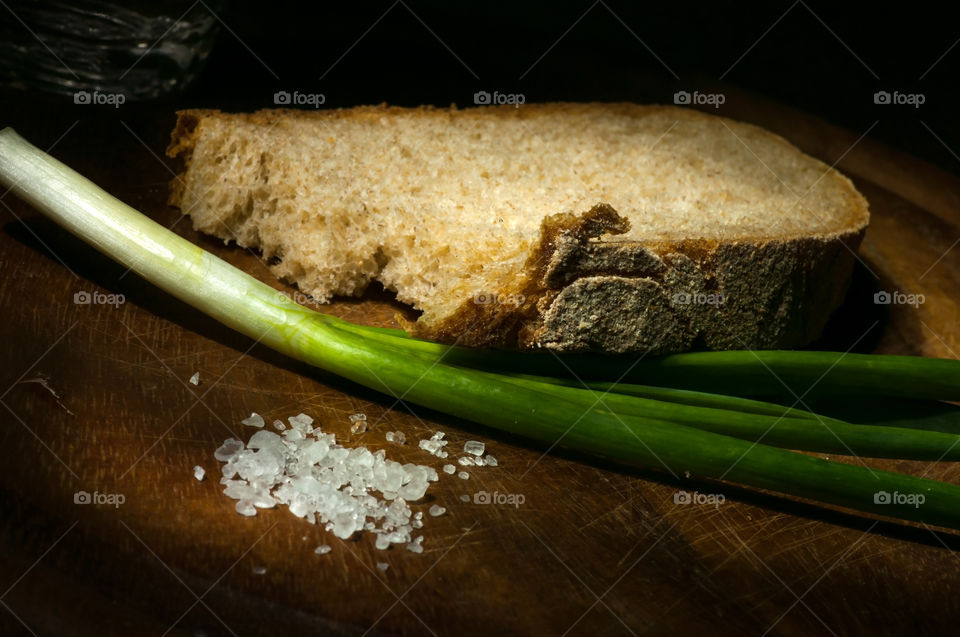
<point>593,549</point>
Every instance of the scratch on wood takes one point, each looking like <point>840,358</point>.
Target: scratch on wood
<point>45,383</point>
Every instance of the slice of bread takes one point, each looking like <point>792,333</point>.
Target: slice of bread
<point>575,227</point>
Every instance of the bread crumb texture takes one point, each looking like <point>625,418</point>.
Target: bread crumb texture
<point>575,227</point>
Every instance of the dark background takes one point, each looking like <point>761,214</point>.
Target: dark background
<point>824,58</point>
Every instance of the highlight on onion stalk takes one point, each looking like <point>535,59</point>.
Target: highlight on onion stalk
<point>695,414</point>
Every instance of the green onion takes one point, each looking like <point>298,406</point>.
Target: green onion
<point>786,375</point>
<point>892,412</point>
<point>738,417</point>
<point>433,352</point>
<point>636,429</point>
<point>783,374</point>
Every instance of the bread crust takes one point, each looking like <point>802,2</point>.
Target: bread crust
<point>587,295</point>
<point>582,293</point>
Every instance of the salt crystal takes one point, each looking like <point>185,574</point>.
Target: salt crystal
<point>400,438</point>
<point>344,525</point>
<point>479,461</point>
<point>301,421</point>
<point>473,447</point>
<point>263,501</point>
<point>464,498</point>
<point>239,490</point>
<point>383,542</point>
<point>416,546</point>
<point>491,461</point>
<point>389,436</point>
<point>195,379</point>
<point>265,440</point>
<point>278,425</point>
<point>383,566</point>
<point>436,510</point>
<point>466,461</point>
<point>413,491</point>
<point>230,448</point>
<point>253,420</point>
<point>398,512</point>
<point>463,475</point>
<point>198,472</point>
<point>449,468</point>
<point>434,445</point>
<point>357,417</point>
<point>259,570</point>
<point>245,507</point>
<point>359,426</point>
<point>293,435</point>
<point>430,446</point>
<point>323,549</point>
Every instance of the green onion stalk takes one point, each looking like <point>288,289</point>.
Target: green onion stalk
<point>670,424</point>
<point>743,418</point>
<point>747,373</point>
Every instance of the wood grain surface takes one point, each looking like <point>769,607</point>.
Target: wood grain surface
<point>593,550</point>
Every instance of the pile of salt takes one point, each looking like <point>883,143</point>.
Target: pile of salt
<point>324,482</point>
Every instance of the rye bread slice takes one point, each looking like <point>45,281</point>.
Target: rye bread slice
<point>574,227</point>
